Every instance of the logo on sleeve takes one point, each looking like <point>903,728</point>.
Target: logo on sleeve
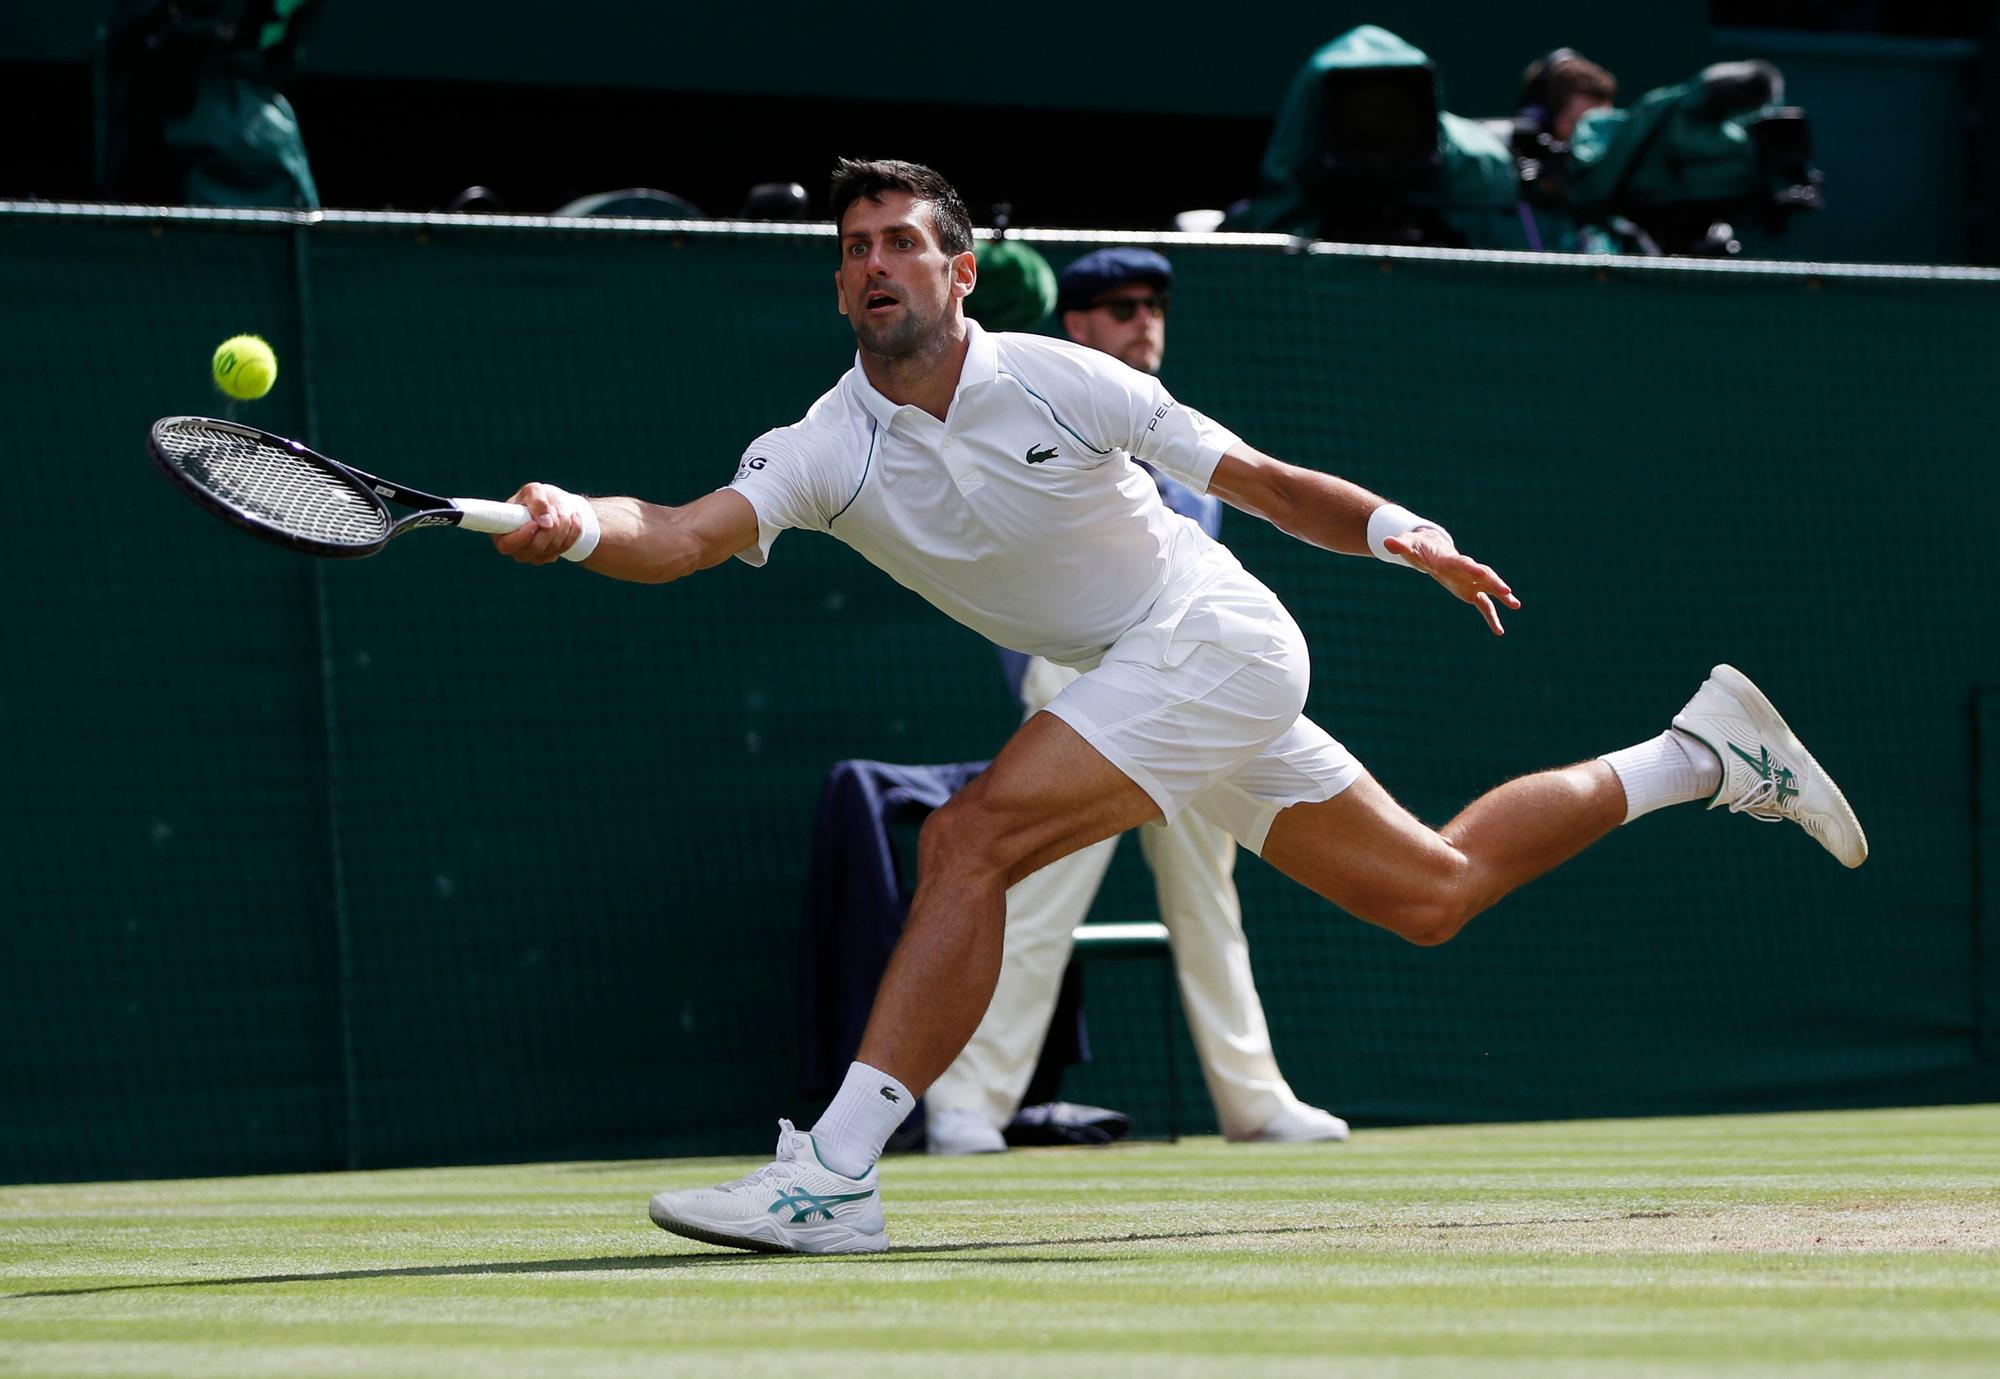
<point>750,462</point>
<point>1038,456</point>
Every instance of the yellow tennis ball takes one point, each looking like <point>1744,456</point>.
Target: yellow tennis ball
<point>244,367</point>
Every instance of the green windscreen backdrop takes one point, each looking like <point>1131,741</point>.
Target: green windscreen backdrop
<point>433,857</point>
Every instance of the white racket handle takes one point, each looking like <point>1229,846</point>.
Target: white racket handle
<point>485,515</point>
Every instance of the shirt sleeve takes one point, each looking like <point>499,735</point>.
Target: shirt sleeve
<point>1132,411</point>
<point>789,484</point>
<point>1184,443</point>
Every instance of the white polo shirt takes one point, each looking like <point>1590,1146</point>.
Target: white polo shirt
<point>1021,514</point>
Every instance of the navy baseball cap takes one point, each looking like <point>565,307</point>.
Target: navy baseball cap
<point>1101,270</point>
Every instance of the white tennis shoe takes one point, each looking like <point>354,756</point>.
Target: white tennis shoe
<point>796,1205</point>
<point>1766,771</point>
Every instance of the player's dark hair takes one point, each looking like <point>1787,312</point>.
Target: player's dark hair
<point>856,178</point>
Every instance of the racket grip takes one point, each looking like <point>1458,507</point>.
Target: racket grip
<point>496,519</point>
<point>485,515</point>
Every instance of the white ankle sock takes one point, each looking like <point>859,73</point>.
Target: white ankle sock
<point>1672,768</point>
<point>858,1122</point>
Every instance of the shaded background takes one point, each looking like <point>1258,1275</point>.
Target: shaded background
<point>1089,115</point>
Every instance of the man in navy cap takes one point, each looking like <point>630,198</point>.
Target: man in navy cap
<point>1115,300</point>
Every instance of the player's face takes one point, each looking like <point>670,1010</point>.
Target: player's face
<point>1139,340</point>
<point>897,286</point>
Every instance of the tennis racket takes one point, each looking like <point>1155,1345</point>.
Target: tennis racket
<point>299,499</point>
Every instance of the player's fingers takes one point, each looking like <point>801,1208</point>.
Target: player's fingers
<point>548,544</point>
<point>544,509</point>
<point>1499,588</point>
<point>1486,579</point>
<point>1459,563</point>
<point>551,541</point>
<point>1484,602</point>
<point>520,543</point>
<point>1498,591</point>
<point>511,542</point>
<point>534,497</point>
<point>529,542</point>
<point>544,536</point>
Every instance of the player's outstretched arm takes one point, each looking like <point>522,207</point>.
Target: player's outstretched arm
<point>648,543</point>
<point>1332,513</point>
<point>1320,509</point>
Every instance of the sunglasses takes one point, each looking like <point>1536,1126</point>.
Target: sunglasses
<point>1123,309</point>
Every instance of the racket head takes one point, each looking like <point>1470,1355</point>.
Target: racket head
<point>271,487</point>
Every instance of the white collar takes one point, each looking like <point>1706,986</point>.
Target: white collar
<point>981,365</point>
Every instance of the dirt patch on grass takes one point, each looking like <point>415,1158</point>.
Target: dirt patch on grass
<point>1849,1226</point>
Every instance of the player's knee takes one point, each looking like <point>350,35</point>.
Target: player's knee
<point>1432,921</point>
<point>959,837</point>
<point>1428,914</point>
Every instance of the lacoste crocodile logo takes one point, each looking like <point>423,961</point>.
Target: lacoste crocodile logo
<point>1037,456</point>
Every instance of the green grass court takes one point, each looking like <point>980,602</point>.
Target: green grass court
<point>1863,1243</point>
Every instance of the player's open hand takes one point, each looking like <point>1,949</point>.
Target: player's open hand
<point>551,528</point>
<point>1431,551</point>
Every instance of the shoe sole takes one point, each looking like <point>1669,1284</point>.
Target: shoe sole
<point>863,1244</point>
<point>1764,714</point>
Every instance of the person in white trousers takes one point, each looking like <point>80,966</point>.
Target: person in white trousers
<point>1116,300</point>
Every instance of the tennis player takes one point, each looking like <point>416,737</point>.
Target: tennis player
<point>993,475</point>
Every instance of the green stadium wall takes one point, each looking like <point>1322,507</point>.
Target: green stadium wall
<point>435,858</point>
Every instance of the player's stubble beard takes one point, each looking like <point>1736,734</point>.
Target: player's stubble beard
<point>912,340</point>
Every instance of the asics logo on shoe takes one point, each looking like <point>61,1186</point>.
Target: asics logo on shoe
<point>889,1095</point>
<point>806,1205</point>
<point>1784,783</point>
<point>1037,456</point>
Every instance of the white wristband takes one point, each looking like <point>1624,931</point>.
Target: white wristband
<point>1390,520</point>
<point>579,508</point>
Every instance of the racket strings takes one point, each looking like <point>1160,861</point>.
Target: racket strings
<point>276,486</point>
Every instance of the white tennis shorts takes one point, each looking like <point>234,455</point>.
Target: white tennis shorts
<point>1202,707</point>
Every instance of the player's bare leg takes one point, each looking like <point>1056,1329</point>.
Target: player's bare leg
<point>1374,859</point>
<point>1046,795</point>
<point>1371,857</point>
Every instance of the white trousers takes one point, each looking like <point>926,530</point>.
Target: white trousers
<point>1192,862</point>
